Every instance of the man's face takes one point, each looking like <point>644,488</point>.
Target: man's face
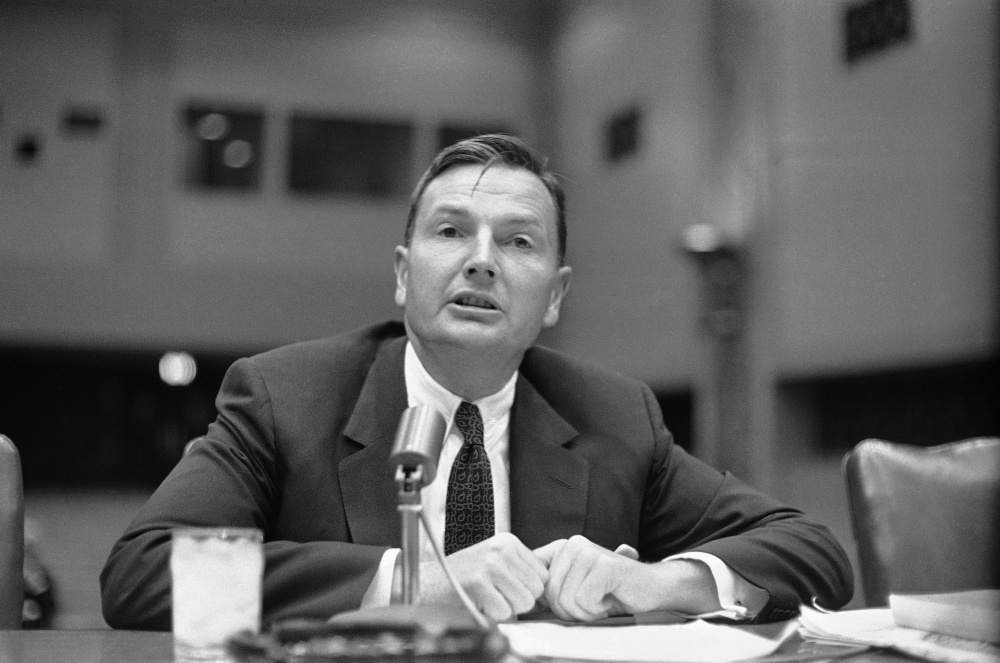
<point>482,268</point>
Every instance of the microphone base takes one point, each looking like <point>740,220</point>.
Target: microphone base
<point>434,619</point>
<point>404,633</point>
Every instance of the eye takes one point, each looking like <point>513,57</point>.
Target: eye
<point>448,231</point>
<point>521,242</point>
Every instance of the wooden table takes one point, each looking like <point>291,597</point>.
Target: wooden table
<point>107,646</point>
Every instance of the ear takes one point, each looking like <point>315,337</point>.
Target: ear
<point>401,267</point>
<point>560,286</point>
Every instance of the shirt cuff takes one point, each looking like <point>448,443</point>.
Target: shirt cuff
<point>739,599</point>
<point>379,592</point>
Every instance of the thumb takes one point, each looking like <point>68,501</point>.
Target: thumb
<point>627,551</point>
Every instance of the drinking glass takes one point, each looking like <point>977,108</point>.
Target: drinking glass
<point>216,575</point>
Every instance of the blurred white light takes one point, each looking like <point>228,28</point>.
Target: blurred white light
<point>177,368</point>
<point>702,238</point>
<point>237,153</point>
<point>213,126</point>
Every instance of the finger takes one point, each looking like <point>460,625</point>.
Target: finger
<point>558,568</point>
<point>599,590</point>
<point>514,571</point>
<point>561,554</point>
<point>571,596</point>
<point>546,553</point>
<point>533,578</point>
<point>592,594</point>
<point>625,550</point>
<point>517,560</point>
<point>565,575</point>
<point>538,568</point>
<point>558,610</point>
<point>553,586</point>
<point>593,573</point>
<point>520,597</point>
<point>491,602</point>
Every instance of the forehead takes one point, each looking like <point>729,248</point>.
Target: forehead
<point>500,189</point>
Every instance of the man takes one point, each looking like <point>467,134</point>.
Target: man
<point>565,471</point>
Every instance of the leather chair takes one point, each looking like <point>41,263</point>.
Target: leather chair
<point>11,536</point>
<point>925,519</point>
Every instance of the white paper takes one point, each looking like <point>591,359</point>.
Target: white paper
<point>877,628</point>
<point>692,642</point>
<point>973,614</point>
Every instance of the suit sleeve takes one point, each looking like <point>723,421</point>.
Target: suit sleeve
<point>231,477</point>
<point>689,506</point>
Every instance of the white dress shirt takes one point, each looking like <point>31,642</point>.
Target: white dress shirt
<point>739,599</point>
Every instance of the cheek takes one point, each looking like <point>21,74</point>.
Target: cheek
<point>425,277</point>
<point>426,283</point>
<point>536,290</point>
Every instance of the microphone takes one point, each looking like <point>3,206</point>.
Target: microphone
<point>432,629</point>
<point>414,454</point>
<point>418,443</point>
<point>397,632</point>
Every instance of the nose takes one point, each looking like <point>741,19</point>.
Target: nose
<point>482,262</point>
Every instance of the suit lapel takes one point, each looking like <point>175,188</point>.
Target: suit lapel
<point>367,484</point>
<point>548,482</point>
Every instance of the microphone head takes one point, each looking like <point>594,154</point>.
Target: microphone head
<point>419,439</point>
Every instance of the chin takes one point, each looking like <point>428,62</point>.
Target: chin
<point>477,339</point>
<point>480,337</point>
<point>475,335</point>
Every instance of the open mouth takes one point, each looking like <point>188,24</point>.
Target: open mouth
<point>476,302</point>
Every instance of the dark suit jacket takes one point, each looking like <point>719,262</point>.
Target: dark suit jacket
<point>300,450</point>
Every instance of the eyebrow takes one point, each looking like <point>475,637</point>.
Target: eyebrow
<point>448,209</point>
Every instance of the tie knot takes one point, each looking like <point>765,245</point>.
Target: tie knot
<point>469,422</point>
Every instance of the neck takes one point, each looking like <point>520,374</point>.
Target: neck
<point>470,374</point>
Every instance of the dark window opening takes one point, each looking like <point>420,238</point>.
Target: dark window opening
<point>350,157</point>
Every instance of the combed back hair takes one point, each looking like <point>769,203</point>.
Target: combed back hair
<point>489,150</point>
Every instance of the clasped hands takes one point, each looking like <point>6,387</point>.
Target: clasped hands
<point>574,578</point>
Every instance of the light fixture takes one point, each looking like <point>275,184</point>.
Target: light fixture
<point>723,270</point>
<point>178,369</point>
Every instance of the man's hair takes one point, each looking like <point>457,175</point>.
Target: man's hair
<point>489,150</point>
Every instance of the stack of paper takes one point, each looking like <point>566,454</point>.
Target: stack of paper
<point>877,628</point>
<point>692,642</point>
<point>973,614</point>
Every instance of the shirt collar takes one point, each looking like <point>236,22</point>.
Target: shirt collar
<point>423,389</point>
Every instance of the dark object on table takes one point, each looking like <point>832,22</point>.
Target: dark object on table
<point>422,635</point>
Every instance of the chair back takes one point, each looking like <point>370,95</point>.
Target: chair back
<point>11,536</point>
<point>925,519</point>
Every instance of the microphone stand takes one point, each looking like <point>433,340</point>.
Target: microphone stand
<point>414,455</point>
<point>410,482</point>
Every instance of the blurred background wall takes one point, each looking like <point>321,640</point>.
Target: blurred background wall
<point>839,156</point>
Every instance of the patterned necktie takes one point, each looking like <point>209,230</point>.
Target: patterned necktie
<point>468,512</point>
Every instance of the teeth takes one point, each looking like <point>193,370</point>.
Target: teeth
<point>475,301</point>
